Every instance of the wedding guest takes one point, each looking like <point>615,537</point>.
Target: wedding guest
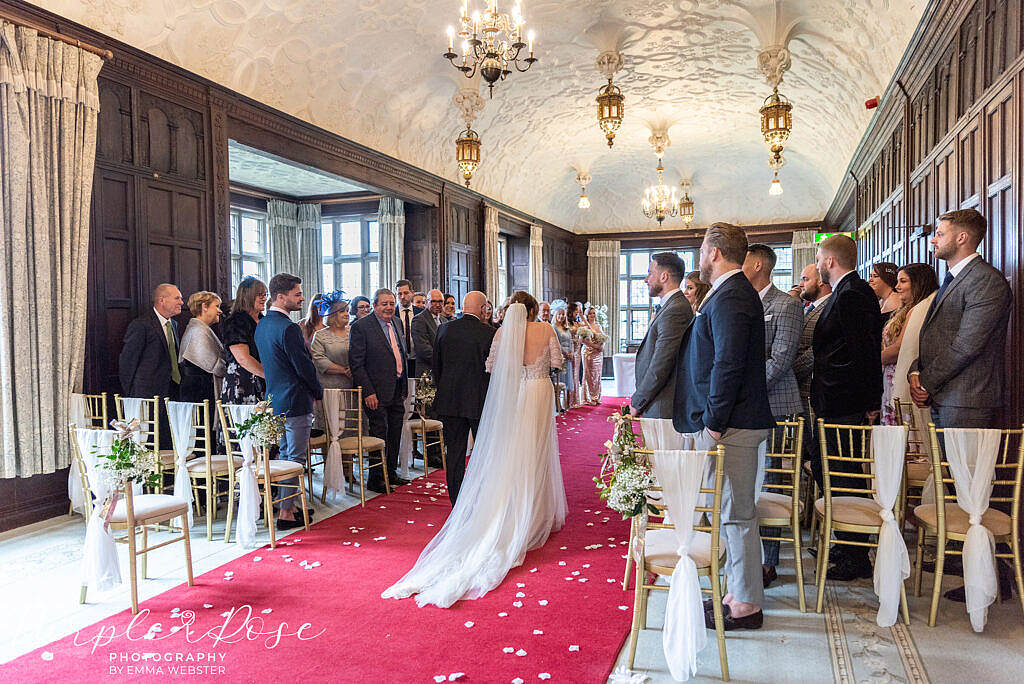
<point>359,307</point>
<point>592,356</point>
<point>148,364</point>
<point>201,359</point>
<point>292,384</point>
<point>313,320</point>
<point>378,362</point>
<point>405,312</point>
<point>914,282</point>
<point>487,314</point>
<point>419,300</point>
<point>449,306</point>
<point>499,314</point>
<point>695,289</point>
<point>565,342</point>
<point>656,358</point>
<point>574,319</point>
<point>545,312</point>
<point>243,375</point>
<point>882,281</point>
<point>424,329</point>
<point>814,293</point>
<point>959,369</point>
<point>721,391</point>
<point>460,353</point>
<point>846,384</point>
<point>794,292</point>
<point>329,348</point>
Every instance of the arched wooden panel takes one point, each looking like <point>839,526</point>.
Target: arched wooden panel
<point>158,139</point>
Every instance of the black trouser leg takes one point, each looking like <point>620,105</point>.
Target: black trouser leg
<point>456,438</point>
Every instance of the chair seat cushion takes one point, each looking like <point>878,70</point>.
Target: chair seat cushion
<point>918,472</point>
<point>428,423</point>
<point>774,505</point>
<point>318,442</point>
<point>660,549</point>
<point>278,469</point>
<point>350,445</point>
<point>957,520</point>
<point>219,464</point>
<point>852,510</point>
<point>149,507</point>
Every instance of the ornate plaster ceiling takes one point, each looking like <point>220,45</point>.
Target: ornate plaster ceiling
<point>260,169</point>
<point>371,70</point>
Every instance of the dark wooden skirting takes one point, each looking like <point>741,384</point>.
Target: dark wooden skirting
<point>26,500</point>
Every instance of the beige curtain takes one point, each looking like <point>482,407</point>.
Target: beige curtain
<point>491,253</point>
<point>49,102</point>
<point>603,285</point>
<point>284,242</point>
<point>311,260</point>
<point>537,262</point>
<point>803,251</point>
<point>391,219</point>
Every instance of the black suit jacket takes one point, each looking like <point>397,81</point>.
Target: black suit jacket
<point>373,363</point>
<point>720,380</point>
<point>847,345</point>
<point>424,330</point>
<point>144,366</point>
<point>410,349</point>
<point>460,352</point>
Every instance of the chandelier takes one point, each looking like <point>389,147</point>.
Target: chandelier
<point>582,179</point>
<point>491,43</point>
<point>659,199</point>
<point>686,204</point>
<point>467,152</point>
<point>776,125</point>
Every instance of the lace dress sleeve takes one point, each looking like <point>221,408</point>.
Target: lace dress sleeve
<point>554,350</point>
<point>489,364</point>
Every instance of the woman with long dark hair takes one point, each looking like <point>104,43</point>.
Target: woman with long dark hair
<point>243,379</point>
<point>914,284</point>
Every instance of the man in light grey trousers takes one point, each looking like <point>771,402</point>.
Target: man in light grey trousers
<point>656,358</point>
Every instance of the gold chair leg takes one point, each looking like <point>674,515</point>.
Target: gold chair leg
<point>362,482</point>
<point>211,504</point>
<point>145,545</point>
<point>903,603</point>
<point>798,559</point>
<point>268,512</point>
<point>823,549</point>
<point>384,467</point>
<point>188,548</point>
<point>131,570</point>
<point>634,631</point>
<point>81,595</point>
<point>1017,570</point>
<point>444,450</point>
<point>231,512</point>
<point>305,511</point>
<point>646,595</point>
<point>940,563</point>
<point>629,554</point>
<point>918,560</point>
<point>716,598</point>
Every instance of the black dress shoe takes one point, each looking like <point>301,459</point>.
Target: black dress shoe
<point>709,608</point>
<point>847,572</point>
<point>284,525</point>
<point>1006,584</point>
<point>398,481</point>
<point>434,462</point>
<point>768,575</point>
<point>729,623</point>
<point>952,566</point>
<point>377,487</point>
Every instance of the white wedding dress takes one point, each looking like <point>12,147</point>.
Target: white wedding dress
<point>512,497</point>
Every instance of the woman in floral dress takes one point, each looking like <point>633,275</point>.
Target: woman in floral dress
<point>243,381</point>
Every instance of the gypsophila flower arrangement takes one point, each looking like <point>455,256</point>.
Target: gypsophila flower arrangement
<point>263,426</point>
<point>128,460</point>
<point>425,389</point>
<point>626,475</point>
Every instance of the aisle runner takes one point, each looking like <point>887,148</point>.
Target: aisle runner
<point>311,609</point>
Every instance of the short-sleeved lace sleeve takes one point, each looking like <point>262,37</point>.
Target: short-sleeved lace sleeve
<point>554,350</point>
<point>492,355</point>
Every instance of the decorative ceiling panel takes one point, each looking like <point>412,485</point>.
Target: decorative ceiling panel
<point>260,169</point>
<point>371,71</point>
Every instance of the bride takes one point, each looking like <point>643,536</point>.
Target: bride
<point>512,497</point>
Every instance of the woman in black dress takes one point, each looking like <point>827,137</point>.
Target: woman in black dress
<point>201,357</point>
<point>243,381</point>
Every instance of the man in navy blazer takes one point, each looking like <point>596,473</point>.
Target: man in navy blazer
<point>377,357</point>
<point>722,393</point>
<point>292,384</point>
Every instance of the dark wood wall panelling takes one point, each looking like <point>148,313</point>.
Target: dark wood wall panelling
<point>565,268</point>
<point>947,137</point>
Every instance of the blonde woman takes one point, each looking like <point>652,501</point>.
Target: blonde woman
<point>201,355</point>
<point>592,338</point>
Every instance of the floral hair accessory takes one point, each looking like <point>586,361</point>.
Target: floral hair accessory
<point>558,305</point>
<point>333,302</point>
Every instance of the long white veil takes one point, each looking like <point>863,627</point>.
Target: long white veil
<point>503,509</point>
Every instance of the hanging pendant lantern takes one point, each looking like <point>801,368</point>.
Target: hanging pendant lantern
<point>467,153</point>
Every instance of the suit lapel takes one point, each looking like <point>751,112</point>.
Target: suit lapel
<point>952,286</point>
<point>161,333</point>
<point>827,307</point>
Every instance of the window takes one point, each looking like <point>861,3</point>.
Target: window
<point>502,292</point>
<point>782,275</point>
<point>636,306</point>
<point>351,252</point>
<point>250,246</point>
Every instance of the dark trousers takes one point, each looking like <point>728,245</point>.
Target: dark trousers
<point>963,417</point>
<point>386,423</point>
<point>456,438</point>
<point>858,555</point>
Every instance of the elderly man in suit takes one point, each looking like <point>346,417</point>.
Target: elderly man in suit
<point>959,369</point>
<point>722,392</point>
<point>783,321</point>
<point>378,362</point>
<point>148,364</point>
<point>292,383</point>
<point>656,358</point>
<point>846,385</point>
<point>424,329</point>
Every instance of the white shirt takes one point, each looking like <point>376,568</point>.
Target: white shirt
<point>955,270</point>
<point>280,310</point>
<point>839,280</point>
<point>762,293</point>
<point>820,300</point>
<point>665,297</point>
<point>163,321</point>
<point>725,276</point>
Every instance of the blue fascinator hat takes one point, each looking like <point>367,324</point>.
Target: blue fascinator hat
<point>333,302</point>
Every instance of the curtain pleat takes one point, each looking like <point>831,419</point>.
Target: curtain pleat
<point>603,285</point>
<point>803,252</point>
<point>49,102</point>
<point>391,219</point>
<point>284,240</point>
<point>491,253</point>
<point>537,262</point>
<point>311,267</point>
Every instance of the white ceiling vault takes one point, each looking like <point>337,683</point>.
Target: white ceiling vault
<point>372,71</point>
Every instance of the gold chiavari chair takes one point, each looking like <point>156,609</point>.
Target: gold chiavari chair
<point>96,419</point>
<point>268,474</point>
<point>781,506</point>
<point>356,446</point>
<point>150,424</point>
<point>656,544</point>
<point>949,522</point>
<point>848,508</point>
<point>919,465</point>
<point>136,513</point>
<point>203,461</point>
<point>422,429</point>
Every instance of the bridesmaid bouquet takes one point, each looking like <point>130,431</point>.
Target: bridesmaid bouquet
<point>128,460</point>
<point>425,389</point>
<point>584,333</point>
<point>265,428</point>
<point>624,486</point>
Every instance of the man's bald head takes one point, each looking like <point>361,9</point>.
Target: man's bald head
<point>473,303</point>
<point>167,300</point>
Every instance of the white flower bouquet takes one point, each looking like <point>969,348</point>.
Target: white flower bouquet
<point>265,428</point>
<point>426,390</point>
<point>128,460</point>
<point>625,475</point>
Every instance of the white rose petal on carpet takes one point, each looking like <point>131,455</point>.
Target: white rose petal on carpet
<point>520,653</point>
<point>267,610</point>
<point>517,604</point>
<point>439,678</point>
<point>207,605</point>
<point>470,623</point>
<point>502,614</point>
<point>537,632</point>
<point>543,675</point>
<point>508,649</point>
<point>574,647</point>
<point>542,602</point>
<point>456,675</point>
<point>520,594</point>
<point>46,655</point>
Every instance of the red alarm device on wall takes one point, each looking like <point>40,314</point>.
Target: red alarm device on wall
<point>872,103</point>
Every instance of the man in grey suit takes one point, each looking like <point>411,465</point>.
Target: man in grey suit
<point>782,325</point>
<point>815,292</point>
<point>654,396</point>
<point>424,329</point>
<point>959,369</point>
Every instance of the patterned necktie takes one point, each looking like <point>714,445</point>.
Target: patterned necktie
<point>395,350</point>
<point>172,349</point>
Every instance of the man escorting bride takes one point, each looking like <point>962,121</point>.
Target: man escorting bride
<point>512,497</point>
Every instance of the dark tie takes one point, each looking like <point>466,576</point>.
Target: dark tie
<point>942,288</point>
<point>809,309</point>
<point>407,315</point>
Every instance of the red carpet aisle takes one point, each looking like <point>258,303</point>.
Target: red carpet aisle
<point>311,609</point>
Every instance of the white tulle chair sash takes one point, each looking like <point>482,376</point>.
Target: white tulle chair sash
<point>892,561</point>
<point>972,454</point>
<point>405,444</point>
<point>100,568</point>
<point>78,415</point>
<point>134,408</point>
<point>248,488</point>
<point>183,434</point>
<point>334,472</point>
<point>681,473</point>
